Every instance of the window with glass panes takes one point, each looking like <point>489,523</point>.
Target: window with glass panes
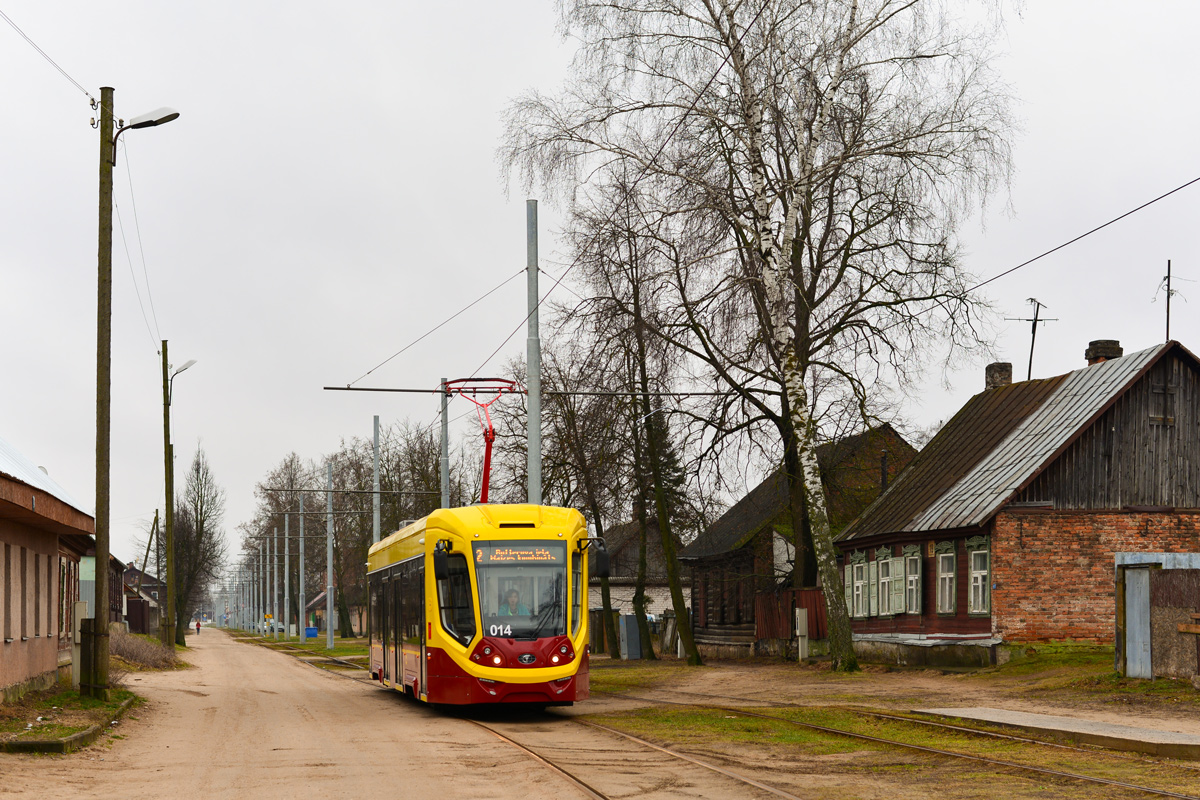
<point>945,583</point>
<point>980,596</point>
<point>885,586</point>
<point>860,590</point>
<point>912,596</point>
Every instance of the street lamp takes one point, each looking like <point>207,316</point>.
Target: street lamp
<point>169,456</point>
<point>98,682</point>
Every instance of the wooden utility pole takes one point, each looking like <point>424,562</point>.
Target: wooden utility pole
<point>98,682</point>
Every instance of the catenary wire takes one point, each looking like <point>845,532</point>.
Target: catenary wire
<point>438,326</point>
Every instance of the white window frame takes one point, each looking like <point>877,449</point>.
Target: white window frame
<point>885,587</point>
<point>912,573</point>
<point>980,598</point>
<point>859,577</point>
<point>947,587</point>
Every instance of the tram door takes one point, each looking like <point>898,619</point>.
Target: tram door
<point>419,581</point>
<point>398,625</point>
<point>385,603</point>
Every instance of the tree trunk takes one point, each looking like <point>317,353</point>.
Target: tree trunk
<point>639,592</point>
<point>670,558</point>
<point>345,629</point>
<point>611,639</point>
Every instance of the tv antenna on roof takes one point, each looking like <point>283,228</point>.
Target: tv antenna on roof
<point>1037,308</point>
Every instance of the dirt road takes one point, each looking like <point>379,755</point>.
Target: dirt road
<point>248,722</point>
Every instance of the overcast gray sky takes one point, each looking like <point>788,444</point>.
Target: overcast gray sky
<point>330,193</point>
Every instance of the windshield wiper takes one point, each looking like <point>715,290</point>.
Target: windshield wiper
<point>546,615</point>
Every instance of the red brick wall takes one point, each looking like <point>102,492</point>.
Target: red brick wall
<point>1053,572</point>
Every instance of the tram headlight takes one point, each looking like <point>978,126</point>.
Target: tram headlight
<point>554,659</point>
<point>497,660</point>
<point>563,649</point>
<point>487,651</point>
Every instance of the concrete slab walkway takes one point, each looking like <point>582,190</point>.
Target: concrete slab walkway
<point>1169,744</point>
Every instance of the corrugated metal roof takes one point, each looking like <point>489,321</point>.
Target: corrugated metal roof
<point>16,466</point>
<point>976,430</point>
<point>1081,397</point>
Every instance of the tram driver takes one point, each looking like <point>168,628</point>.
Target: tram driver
<point>512,606</point>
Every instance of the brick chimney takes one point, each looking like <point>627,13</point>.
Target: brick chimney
<point>1102,350</point>
<point>998,374</point>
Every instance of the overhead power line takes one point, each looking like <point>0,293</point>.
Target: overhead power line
<point>46,56</point>
<point>1085,235</point>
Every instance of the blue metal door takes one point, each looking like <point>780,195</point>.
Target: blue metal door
<point>1137,624</point>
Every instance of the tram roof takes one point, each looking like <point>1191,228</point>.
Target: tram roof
<point>491,520</point>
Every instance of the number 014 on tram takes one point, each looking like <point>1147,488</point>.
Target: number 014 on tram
<point>485,604</point>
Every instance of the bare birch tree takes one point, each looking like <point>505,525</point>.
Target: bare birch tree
<point>836,144</point>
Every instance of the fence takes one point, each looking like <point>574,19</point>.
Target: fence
<point>774,613</point>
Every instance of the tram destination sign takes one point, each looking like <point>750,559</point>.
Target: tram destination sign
<point>518,554</point>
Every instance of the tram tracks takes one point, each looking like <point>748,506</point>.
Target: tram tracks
<point>939,752</point>
<point>556,765</point>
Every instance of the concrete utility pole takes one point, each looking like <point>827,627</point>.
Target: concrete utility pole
<point>275,585</point>
<point>287,580</point>
<point>445,446</point>
<point>329,558</point>
<point>99,680</point>
<point>169,514</point>
<point>303,621</point>
<point>533,360</point>
<point>375,487</point>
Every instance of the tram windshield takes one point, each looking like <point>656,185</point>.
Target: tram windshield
<point>522,588</point>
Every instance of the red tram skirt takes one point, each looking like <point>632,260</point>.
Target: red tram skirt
<point>447,683</point>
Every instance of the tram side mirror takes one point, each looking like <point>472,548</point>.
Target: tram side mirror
<point>602,569</point>
<point>441,570</point>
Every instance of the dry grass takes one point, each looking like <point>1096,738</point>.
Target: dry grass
<point>141,652</point>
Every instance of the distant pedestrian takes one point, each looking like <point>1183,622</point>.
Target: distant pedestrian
<point>197,627</point>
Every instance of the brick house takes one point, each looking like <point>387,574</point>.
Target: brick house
<point>1005,526</point>
<point>741,565</point>
<point>43,535</point>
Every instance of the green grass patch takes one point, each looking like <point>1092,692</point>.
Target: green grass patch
<point>620,677</point>
<point>689,727</point>
<point>341,648</point>
<point>52,730</point>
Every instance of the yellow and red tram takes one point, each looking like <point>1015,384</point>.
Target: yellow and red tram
<point>484,604</point>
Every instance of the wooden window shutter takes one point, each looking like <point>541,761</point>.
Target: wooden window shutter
<point>873,577</point>
<point>849,587</point>
<point>898,584</point>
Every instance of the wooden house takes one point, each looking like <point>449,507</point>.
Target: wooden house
<point>742,564</point>
<point>43,534</point>
<point>623,543</point>
<point>1005,526</point>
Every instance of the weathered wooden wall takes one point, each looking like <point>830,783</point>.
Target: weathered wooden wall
<point>1144,451</point>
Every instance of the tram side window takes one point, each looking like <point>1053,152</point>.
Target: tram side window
<point>455,600</point>
<point>576,591</point>
<point>413,589</point>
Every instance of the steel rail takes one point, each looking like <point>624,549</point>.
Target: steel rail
<point>995,762</point>
<point>1089,750</point>
<point>684,757</point>
<point>587,789</point>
